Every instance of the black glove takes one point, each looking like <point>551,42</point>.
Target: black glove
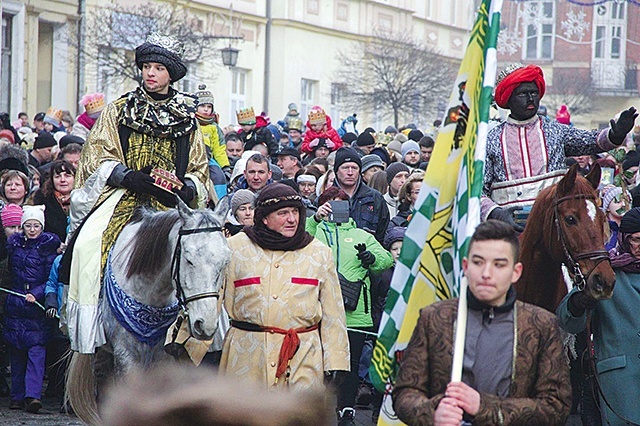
<point>580,302</point>
<point>624,125</point>
<point>140,182</point>
<point>506,215</point>
<point>186,193</point>
<point>51,312</point>
<point>365,257</point>
<point>227,172</point>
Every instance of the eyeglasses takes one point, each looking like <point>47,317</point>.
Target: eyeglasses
<point>634,240</point>
<point>32,226</point>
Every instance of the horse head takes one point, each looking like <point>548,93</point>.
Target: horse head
<point>200,264</point>
<point>578,228</point>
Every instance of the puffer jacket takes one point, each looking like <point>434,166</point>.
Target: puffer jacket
<point>369,210</point>
<point>342,238</point>
<point>25,323</point>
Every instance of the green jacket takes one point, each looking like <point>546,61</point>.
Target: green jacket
<point>342,239</point>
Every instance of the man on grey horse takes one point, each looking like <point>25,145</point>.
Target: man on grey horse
<point>152,127</point>
<point>526,154</point>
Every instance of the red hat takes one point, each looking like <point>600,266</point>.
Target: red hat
<point>563,116</point>
<point>8,134</point>
<point>512,78</point>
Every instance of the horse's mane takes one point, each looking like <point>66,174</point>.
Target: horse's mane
<point>581,187</point>
<point>151,241</point>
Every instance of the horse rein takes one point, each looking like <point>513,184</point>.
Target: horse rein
<point>599,256</point>
<point>183,299</point>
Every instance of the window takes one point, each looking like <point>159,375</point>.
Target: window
<point>238,92</point>
<point>307,96</point>
<point>337,95</point>
<point>615,42</point>
<point>539,30</point>
<point>600,41</point>
<point>610,32</point>
<point>5,72</point>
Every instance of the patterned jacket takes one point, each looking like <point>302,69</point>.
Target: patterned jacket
<point>540,391</point>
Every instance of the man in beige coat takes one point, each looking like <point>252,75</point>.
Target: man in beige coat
<point>287,315</point>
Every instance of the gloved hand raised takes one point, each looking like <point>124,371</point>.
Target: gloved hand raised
<point>186,193</point>
<point>365,257</point>
<point>580,302</point>
<point>506,215</point>
<point>140,182</point>
<point>620,128</point>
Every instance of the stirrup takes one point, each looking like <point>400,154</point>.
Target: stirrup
<point>351,411</point>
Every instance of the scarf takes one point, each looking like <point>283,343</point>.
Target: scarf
<point>63,200</point>
<point>174,117</point>
<point>86,121</point>
<point>269,239</point>
<point>621,257</point>
<point>205,120</point>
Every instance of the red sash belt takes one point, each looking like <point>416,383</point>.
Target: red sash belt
<point>290,344</point>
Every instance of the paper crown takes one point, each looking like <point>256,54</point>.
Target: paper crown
<point>204,96</point>
<point>53,116</point>
<point>317,116</point>
<point>295,123</point>
<point>246,116</point>
<point>172,44</point>
<point>93,103</point>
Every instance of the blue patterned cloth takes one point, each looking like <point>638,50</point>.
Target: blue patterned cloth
<point>147,323</point>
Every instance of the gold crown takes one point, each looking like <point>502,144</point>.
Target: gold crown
<point>317,116</point>
<point>54,114</point>
<point>295,123</point>
<point>246,116</point>
<point>93,103</point>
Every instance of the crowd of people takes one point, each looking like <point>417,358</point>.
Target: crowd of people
<point>316,221</point>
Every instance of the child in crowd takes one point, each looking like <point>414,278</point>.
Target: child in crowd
<point>219,167</point>
<point>31,253</point>
<point>319,126</point>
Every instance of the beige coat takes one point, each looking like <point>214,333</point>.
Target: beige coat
<point>294,289</point>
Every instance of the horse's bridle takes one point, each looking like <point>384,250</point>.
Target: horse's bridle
<point>183,299</point>
<point>579,278</point>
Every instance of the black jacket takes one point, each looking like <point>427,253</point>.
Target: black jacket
<point>369,210</point>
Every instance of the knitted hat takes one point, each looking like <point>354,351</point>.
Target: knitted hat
<point>409,146</point>
<point>394,169</point>
<point>33,212</point>
<point>394,234</point>
<point>204,96</point>
<point>369,161</point>
<point>11,215</point>
<point>609,194</point>
<point>632,159</point>
<point>415,135</point>
<point>562,115</point>
<point>44,140</point>
<point>630,222</point>
<point>8,134</point>
<point>365,139</point>
<point>382,153</point>
<point>401,137</point>
<point>240,197</point>
<point>165,50</point>
<point>391,129</point>
<point>349,137</point>
<point>395,146</point>
<point>53,117</point>
<point>346,155</point>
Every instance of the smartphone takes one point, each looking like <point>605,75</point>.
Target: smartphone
<point>339,211</point>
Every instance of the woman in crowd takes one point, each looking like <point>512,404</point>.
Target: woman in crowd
<point>407,195</point>
<point>241,213</point>
<point>55,195</point>
<point>356,253</point>
<point>614,207</point>
<point>14,187</point>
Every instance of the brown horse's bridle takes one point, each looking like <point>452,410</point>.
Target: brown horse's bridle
<point>579,278</point>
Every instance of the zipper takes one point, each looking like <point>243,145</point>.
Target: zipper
<point>366,297</point>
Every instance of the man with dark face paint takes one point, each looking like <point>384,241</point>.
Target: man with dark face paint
<point>526,154</point>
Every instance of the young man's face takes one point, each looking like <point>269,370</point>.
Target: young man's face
<point>234,149</point>
<point>412,159</point>
<point>396,183</point>
<point>490,269</point>
<point>295,135</point>
<point>155,77</point>
<point>425,153</point>
<point>257,175</point>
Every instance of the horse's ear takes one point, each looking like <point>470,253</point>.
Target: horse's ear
<point>184,210</point>
<point>565,186</point>
<point>222,209</point>
<point>594,175</point>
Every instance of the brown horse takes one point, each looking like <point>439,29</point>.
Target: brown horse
<point>565,227</point>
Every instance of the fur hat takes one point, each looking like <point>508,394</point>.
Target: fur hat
<point>240,197</point>
<point>369,161</point>
<point>346,155</point>
<point>165,50</point>
<point>204,96</point>
<point>11,215</point>
<point>44,140</point>
<point>394,169</point>
<point>409,146</point>
<point>33,212</point>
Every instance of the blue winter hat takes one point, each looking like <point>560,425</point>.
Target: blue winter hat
<point>394,234</point>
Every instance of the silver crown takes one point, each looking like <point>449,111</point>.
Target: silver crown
<point>170,43</point>
<point>508,70</point>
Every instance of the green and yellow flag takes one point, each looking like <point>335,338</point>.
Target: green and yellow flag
<point>448,207</point>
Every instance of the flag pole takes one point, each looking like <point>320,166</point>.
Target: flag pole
<point>461,331</point>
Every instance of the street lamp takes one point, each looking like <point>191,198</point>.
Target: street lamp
<point>229,56</point>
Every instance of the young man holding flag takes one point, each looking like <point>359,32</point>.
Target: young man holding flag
<point>533,388</point>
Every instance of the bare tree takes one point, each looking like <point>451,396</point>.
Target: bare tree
<point>394,74</point>
<point>574,91</point>
<point>114,30</point>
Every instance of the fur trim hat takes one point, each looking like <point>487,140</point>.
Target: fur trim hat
<point>11,215</point>
<point>33,212</point>
<point>165,50</point>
